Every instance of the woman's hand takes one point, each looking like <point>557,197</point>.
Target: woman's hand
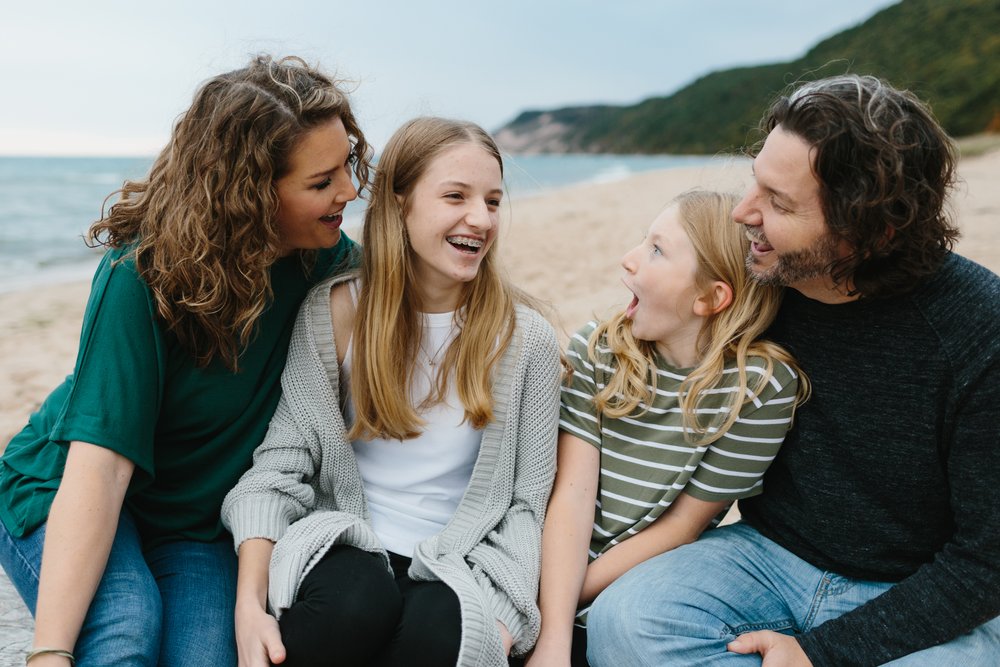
<point>258,638</point>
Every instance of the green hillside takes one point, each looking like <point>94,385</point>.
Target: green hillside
<point>947,51</point>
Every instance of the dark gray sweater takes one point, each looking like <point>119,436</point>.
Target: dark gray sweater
<point>892,470</point>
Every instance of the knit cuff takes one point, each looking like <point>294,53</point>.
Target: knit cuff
<point>264,517</point>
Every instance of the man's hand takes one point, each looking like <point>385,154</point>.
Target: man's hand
<point>776,649</point>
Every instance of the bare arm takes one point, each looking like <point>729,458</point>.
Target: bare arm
<point>681,523</point>
<point>258,638</point>
<point>565,541</point>
<point>80,529</point>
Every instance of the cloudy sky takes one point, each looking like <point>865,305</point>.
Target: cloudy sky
<point>106,77</point>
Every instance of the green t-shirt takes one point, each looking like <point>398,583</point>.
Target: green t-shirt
<point>645,460</point>
<point>191,431</point>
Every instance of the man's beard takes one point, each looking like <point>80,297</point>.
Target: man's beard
<point>797,265</point>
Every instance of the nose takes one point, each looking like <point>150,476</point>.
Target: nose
<point>345,190</point>
<point>629,260</point>
<point>745,211</point>
<point>480,217</point>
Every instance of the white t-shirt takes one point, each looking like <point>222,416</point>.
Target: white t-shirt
<point>414,486</point>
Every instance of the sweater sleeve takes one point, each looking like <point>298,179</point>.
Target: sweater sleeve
<point>960,589</point>
<point>275,491</point>
<point>506,562</point>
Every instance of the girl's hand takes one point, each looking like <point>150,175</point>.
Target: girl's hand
<point>548,654</point>
<point>258,639</point>
<point>506,637</point>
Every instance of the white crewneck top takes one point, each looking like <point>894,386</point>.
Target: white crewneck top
<point>414,486</point>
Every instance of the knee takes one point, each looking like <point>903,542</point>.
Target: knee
<point>123,631</point>
<point>632,622</point>
<point>344,611</point>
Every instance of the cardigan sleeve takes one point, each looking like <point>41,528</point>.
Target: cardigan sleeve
<point>506,563</point>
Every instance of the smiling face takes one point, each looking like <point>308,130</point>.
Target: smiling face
<point>791,243</point>
<point>313,193</point>
<point>661,274</point>
<point>451,220</point>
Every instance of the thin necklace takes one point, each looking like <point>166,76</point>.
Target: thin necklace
<point>432,359</point>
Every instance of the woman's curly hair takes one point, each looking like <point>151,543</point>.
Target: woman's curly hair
<point>203,223</point>
<point>885,167</point>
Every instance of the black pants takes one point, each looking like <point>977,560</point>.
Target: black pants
<point>351,611</point>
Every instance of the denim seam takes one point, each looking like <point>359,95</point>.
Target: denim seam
<point>818,597</point>
<point>787,624</point>
<point>25,561</point>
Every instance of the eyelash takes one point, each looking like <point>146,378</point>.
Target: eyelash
<point>323,185</point>
<point>493,203</point>
<point>778,207</point>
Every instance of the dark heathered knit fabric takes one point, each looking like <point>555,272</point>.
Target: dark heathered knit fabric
<point>892,470</point>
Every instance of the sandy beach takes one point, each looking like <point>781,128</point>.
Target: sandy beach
<point>563,247</point>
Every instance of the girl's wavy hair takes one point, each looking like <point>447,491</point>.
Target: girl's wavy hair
<point>388,327</point>
<point>204,221</point>
<point>885,168</point>
<point>730,336</point>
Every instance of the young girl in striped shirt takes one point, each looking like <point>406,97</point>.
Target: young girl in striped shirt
<point>675,409</point>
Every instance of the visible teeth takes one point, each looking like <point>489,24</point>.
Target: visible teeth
<point>464,240</point>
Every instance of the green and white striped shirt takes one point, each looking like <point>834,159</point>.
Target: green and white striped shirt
<point>645,460</point>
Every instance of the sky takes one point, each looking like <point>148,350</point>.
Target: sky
<point>106,77</point>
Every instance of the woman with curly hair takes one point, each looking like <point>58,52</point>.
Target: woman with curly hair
<point>111,493</point>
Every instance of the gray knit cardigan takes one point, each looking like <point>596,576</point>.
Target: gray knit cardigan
<point>304,491</point>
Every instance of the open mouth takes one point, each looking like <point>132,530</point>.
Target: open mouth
<point>760,247</point>
<point>466,244</point>
<point>631,308</point>
<point>333,220</point>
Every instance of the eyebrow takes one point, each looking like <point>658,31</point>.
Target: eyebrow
<point>466,186</point>
<point>326,172</point>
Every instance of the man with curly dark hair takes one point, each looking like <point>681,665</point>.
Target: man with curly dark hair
<point>877,537</point>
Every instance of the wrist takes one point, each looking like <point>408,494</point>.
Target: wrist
<point>45,656</point>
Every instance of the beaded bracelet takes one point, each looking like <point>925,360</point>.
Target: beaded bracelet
<point>49,651</point>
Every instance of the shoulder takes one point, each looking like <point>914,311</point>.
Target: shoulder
<point>534,328</point>
<point>961,303</point>
<point>117,282</point>
<point>581,337</point>
<point>325,291</point>
<point>783,378</point>
<point>962,282</point>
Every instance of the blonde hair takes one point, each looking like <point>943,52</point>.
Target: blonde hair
<point>204,221</point>
<point>734,334</point>
<point>388,327</point>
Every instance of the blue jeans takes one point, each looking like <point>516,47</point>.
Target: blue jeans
<point>683,607</point>
<point>172,605</point>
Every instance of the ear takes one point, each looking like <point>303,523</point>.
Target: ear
<point>714,300</point>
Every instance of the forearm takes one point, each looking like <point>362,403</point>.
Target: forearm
<point>252,581</point>
<point>78,536</point>
<point>681,523</point>
<point>921,611</point>
<point>565,541</point>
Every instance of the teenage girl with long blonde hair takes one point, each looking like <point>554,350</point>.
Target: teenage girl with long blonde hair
<point>110,496</point>
<point>393,514</point>
<point>675,409</point>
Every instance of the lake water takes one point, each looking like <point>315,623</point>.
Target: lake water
<point>47,204</point>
